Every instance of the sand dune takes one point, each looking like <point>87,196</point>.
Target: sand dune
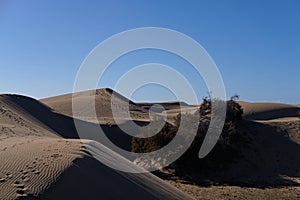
<point>165,105</point>
<point>61,125</point>
<point>269,111</point>
<point>106,183</point>
<point>169,110</point>
<point>43,158</point>
<point>49,168</point>
<point>30,164</point>
<point>63,104</point>
<point>38,162</point>
<point>139,112</point>
<point>268,167</point>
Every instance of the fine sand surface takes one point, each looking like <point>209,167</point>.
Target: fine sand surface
<point>270,166</point>
<point>139,112</point>
<point>269,111</point>
<point>37,162</point>
<point>42,157</point>
<point>63,105</point>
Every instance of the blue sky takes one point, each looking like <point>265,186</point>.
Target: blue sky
<point>255,44</point>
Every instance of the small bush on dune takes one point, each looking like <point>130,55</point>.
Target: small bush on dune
<point>221,153</point>
<point>234,110</point>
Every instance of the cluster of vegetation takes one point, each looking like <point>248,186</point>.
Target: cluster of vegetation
<point>222,152</point>
<point>145,145</point>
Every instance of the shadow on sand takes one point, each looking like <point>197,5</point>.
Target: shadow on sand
<point>64,125</point>
<point>268,160</point>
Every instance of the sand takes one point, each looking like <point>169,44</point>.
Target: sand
<point>270,164</point>
<point>269,111</point>
<point>269,169</point>
<point>38,161</point>
<point>29,165</point>
<point>42,156</point>
<point>63,104</point>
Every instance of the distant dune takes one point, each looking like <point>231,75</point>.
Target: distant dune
<point>169,110</point>
<point>63,104</point>
<point>166,105</point>
<point>269,111</point>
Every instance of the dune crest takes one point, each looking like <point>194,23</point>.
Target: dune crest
<point>40,161</point>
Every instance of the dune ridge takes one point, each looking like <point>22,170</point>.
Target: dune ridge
<point>63,105</point>
<point>269,111</point>
<point>41,161</point>
<point>43,158</point>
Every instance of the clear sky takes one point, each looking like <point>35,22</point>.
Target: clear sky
<point>255,44</point>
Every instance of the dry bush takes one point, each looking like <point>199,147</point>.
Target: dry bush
<point>222,152</point>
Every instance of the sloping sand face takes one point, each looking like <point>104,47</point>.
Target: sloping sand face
<point>32,156</point>
<point>63,104</point>
<point>29,165</point>
<point>269,111</point>
<point>49,168</point>
<point>89,179</point>
<point>16,121</point>
<point>38,163</point>
<point>269,166</point>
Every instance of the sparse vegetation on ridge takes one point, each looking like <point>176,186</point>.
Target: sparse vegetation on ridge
<point>222,151</point>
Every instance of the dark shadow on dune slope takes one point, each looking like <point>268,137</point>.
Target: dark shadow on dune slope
<point>165,105</point>
<point>64,125</point>
<point>274,114</point>
<point>264,162</point>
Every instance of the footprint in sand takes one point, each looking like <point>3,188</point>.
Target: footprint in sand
<point>56,155</point>
<point>21,189</point>
<point>9,175</point>
<point>19,185</point>
<point>25,179</point>
<point>21,193</point>
<point>24,176</point>
<point>36,171</point>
